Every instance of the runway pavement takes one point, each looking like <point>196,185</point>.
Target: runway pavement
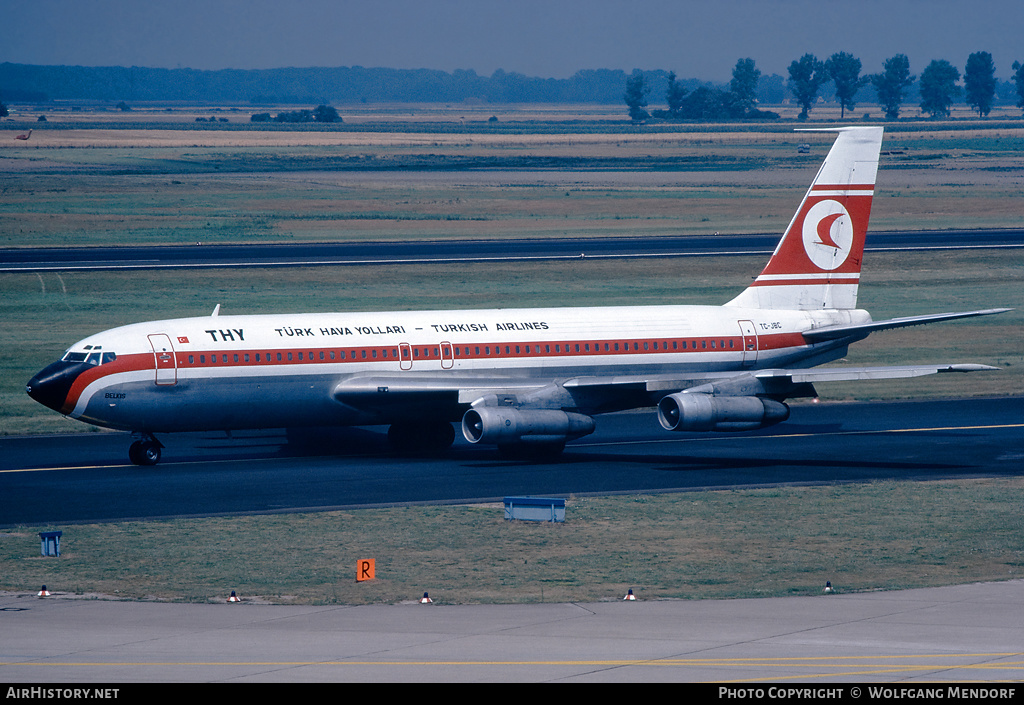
<point>946,636</point>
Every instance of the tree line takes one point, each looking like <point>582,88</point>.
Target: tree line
<point>690,98</point>
<point>938,88</point>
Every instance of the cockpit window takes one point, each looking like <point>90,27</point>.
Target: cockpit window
<point>93,358</point>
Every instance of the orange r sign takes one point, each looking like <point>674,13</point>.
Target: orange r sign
<point>365,569</point>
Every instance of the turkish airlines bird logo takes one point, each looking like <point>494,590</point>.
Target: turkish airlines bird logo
<point>828,234</point>
<point>824,229</point>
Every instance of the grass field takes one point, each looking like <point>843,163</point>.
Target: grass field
<point>75,183</point>
<point>410,173</point>
<point>743,543</point>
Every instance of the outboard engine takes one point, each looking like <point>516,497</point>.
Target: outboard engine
<point>692,411</point>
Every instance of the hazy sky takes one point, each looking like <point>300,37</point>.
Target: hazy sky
<point>548,38</point>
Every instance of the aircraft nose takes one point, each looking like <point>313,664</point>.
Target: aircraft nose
<point>50,386</point>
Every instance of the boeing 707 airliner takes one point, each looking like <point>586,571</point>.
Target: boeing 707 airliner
<point>524,380</point>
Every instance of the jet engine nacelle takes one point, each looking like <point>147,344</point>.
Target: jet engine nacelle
<point>510,426</point>
<point>703,412</point>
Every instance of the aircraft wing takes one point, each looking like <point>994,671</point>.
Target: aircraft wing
<point>772,381</point>
<point>862,330</point>
<point>612,392</point>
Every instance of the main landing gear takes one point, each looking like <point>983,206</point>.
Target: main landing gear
<point>145,451</point>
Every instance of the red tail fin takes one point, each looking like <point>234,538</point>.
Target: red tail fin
<point>817,263</point>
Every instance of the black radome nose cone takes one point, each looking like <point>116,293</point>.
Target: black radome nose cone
<point>51,385</point>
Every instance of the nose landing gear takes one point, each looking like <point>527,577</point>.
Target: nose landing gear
<point>145,451</point>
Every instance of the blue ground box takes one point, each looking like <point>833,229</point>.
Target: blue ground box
<point>535,508</point>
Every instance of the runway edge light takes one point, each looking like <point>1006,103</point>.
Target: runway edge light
<point>828,586</point>
<point>234,597</point>
<point>43,593</point>
<point>425,600</point>
<point>630,597</point>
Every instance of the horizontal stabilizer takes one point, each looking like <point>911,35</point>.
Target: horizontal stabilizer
<point>862,330</point>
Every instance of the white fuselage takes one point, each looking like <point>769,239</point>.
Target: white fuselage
<point>267,371</point>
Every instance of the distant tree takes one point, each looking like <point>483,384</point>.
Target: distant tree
<point>123,107</point>
<point>891,84</point>
<point>805,78</point>
<point>1018,79</point>
<point>706,103</point>
<point>295,116</point>
<point>260,117</point>
<point>3,110</point>
<point>325,113</point>
<point>636,96</point>
<point>938,87</point>
<point>844,69</point>
<point>674,96</point>
<point>980,82</point>
<point>744,83</point>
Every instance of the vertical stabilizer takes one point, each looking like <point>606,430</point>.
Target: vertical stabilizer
<point>817,263</point>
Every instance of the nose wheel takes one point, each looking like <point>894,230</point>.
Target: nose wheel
<point>145,452</point>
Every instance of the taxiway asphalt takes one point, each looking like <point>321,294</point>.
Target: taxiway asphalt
<point>86,477</point>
